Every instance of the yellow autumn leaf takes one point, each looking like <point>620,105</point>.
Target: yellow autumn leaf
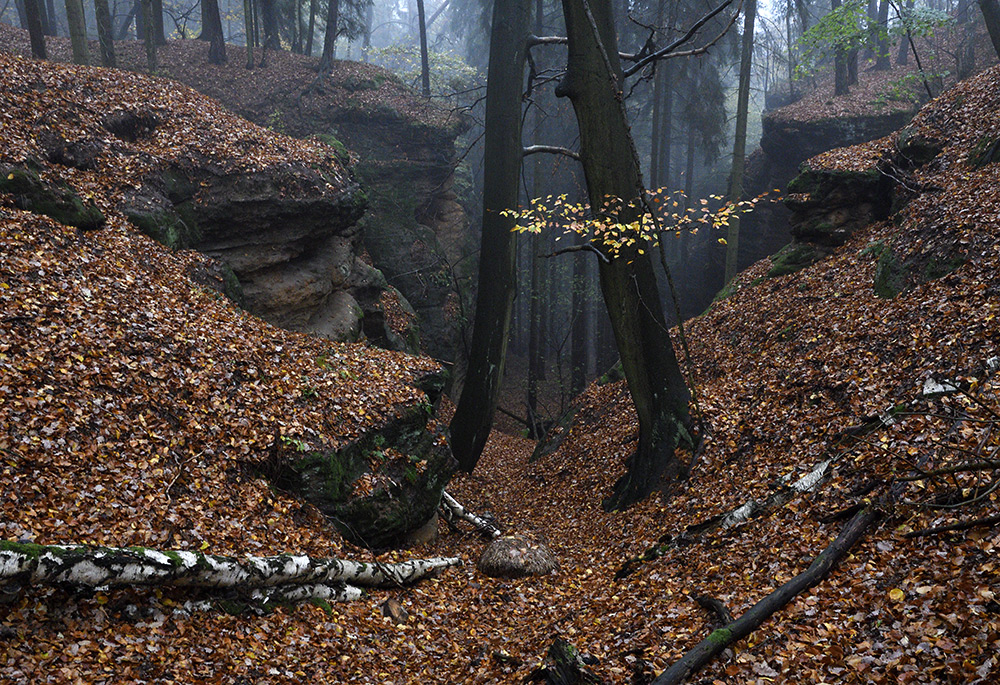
<point>896,595</point>
<point>722,241</point>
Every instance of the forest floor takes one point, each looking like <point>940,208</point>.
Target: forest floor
<point>132,401</point>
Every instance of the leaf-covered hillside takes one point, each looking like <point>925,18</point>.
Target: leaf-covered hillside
<point>131,398</point>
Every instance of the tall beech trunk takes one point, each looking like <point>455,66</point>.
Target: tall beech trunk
<point>502,146</point>
<point>287,577</point>
<point>105,33</point>
<point>840,78</point>
<point>883,62</point>
<point>735,191</point>
<point>312,27</point>
<point>22,18</point>
<point>77,31</point>
<point>991,14</point>
<point>611,167</point>
<point>49,19</point>
<point>148,34</point>
<point>157,14</point>
<point>580,325</point>
<point>36,33</point>
<point>211,31</point>
<point>269,18</point>
<point>248,28</point>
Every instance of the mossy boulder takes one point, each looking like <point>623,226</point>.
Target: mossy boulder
<point>56,201</point>
<point>379,489</point>
<point>793,257</point>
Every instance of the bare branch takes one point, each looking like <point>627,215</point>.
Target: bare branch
<point>553,149</point>
<point>586,247</point>
<point>546,40</point>
<point>665,51</point>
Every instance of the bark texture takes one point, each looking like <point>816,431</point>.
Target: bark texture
<point>77,31</point>
<point>289,576</point>
<point>628,283</point>
<point>991,14</point>
<point>473,418</point>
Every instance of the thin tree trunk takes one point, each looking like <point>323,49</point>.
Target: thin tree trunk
<point>903,56</point>
<point>425,69</point>
<point>473,418</point>
<point>312,27</point>
<point>50,19</point>
<point>35,31</point>
<point>77,31</point>
<point>157,13</point>
<point>883,61</point>
<point>840,79</point>
<point>127,21</point>
<point>611,166</point>
<point>580,326</point>
<point>656,135</point>
<point>105,36</point>
<point>22,17</point>
<point>248,24</point>
<point>966,57</point>
<point>735,191</point>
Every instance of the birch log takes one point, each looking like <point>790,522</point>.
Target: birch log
<point>453,510</point>
<point>290,576</point>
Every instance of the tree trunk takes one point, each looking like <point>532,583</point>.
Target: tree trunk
<point>991,14</point>
<point>149,35</point>
<point>659,87</point>
<point>35,31</point>
<point>287,575</point>
<point>883,62</point>
<point>22,17</point>
<point>127,21</point>
<point>840,78</point>
<point>269,17</point>
<point>312,27</point>
<point>248,28</point>
<point>49,19</point>
<point>425,69</point>
<point>903,56</point>
<point>473,418</point>
<point>77,31</point>
<point>611,166</point>
<point>105,36</point>
<point>211,30</point>
<point>330,37</point>
<point>965,60</point>
<point>157,13</point>
<point>580,326</point>
<point>852,67</point>
<point>735,191</point>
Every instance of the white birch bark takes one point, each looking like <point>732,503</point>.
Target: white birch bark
<point>455,510</point>
<point>91,566</point>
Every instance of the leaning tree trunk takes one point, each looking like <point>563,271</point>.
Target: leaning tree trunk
<point>36,32</point>
<point>77,31</point>
<point>105,32</point>
<point>280,578</point>
<point>735,193</point>
<point>611,166</point>
<point>473,418</point>
<point>991,14</point>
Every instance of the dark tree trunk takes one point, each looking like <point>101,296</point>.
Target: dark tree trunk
<point>105,36</point>
<point>537,309</point>
<point>883,62</point>
<point>840,78</point>
<point>49,18</point>
<point>312,27</point>
<point>77,31</point>
<point>248,27</point>
<point>35,31</point>
<point>157,13</point>
<point>425,69</point>
<point>212,31</point>
<point>965,60</point>
<point>330,37</point>
<point>473,418</point>
<point>904,45</point>
<point>735,191</point>
<point>580,326</point>
<point>269,17</point>
<point>149,34</point>
<point>22,17</point>
<point>991,13</point>
<point>852,67</point>
<point>611,166</point>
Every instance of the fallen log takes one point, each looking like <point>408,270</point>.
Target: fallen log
<point>289,577</point>
<point>453,510</point>
<point>822,565</point>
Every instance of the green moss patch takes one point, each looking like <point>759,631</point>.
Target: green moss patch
<point>32,194</point>
<point>793,257</point>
